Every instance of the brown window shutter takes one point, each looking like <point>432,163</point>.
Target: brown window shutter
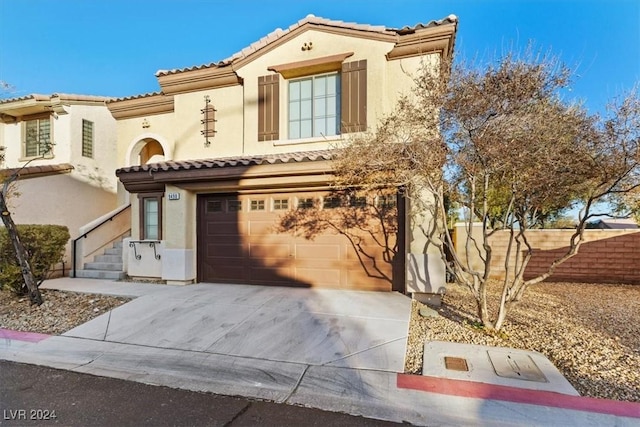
<point>268,107</point>
<point>353,114</point>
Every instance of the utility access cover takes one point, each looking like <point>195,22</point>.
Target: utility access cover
<point>516,366</point>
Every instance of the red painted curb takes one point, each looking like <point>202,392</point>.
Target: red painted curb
<point>478,390</point>
<point>22,336</point>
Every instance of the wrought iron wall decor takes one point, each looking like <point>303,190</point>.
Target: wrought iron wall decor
<point>208,121</point>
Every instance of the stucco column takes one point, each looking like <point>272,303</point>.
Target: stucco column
<point>425,269</point>
<point>179,227</point>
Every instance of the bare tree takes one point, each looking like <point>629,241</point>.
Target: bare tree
<point>500,143</point>
<point>21,253</point>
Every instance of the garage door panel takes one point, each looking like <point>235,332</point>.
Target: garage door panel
<point>224,228</point>
<point>370,250</point>
<point>269,274</point>
<point>364,281</point>
<point>269,251</point>
<point>221,272</point>
<point>324,277</point>
<point>317,251</point>
<point>223,240</point>
<point>225,251</point>
<point>262,228</point>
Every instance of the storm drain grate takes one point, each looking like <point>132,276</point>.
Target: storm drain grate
<point>455,363</point>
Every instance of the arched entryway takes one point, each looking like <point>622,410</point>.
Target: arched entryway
<point>148,148</point>
<point>151,152</point>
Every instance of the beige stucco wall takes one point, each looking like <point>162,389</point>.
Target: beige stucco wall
<point>237,107</point>
<point>98,170</point>
<point>61,200</point>
<point>66,131</point>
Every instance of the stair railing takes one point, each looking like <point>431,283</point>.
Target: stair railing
<point>104,221</point>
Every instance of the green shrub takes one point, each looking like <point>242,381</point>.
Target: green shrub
<point>45,246</point>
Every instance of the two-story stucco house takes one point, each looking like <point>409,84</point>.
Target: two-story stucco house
<point>71,184</point>
<point>213,160</point>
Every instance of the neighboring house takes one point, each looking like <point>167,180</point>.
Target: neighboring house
<point>614,224</point>
<point>71,184</point>
<point>214,159</point>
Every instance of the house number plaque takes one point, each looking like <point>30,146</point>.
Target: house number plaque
<point>173,196</point>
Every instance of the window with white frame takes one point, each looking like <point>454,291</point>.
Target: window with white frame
<point>314,106</point>
<point>37,137</point>
<point>150,216</point>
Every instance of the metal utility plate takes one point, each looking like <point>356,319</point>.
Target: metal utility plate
<point>516,366</point>
<point>455,363</point>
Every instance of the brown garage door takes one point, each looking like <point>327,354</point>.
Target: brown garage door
<point>290,239</point>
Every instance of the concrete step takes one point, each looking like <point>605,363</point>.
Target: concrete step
<point>100,274</point>
<point>117,244</point>
<point>108,258</point>
<point>110,266</point>
<point>113,251</point>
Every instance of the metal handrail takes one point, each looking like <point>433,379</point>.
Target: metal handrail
<point>151,243</point>
<point>73,247</point>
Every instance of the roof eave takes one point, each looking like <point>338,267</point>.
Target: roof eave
<point>147,105</point>
<point>17,109</point>
<point>437,39</point>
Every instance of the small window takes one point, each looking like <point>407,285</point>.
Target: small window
<point>257,205</point>
<point>87,138</point>
<point>305,203</point>
<point>386,201</point>
<point>280,204</point>
<point>331,202</point>
<point>214,206</point>
<point>358,201</point>
<point>37,137</point>
<point>151,217</point>
<point>234,205</point>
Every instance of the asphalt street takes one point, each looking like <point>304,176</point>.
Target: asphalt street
<point>39,396</point>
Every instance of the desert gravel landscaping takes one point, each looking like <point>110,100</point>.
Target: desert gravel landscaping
<point>60,312</point>
<point>591,332</point>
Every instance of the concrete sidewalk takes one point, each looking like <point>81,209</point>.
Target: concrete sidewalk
<point>334,350</point>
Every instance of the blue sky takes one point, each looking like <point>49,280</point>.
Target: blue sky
<point>114,47</point>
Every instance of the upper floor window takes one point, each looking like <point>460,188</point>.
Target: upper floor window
<point>37,137</point>
<point>314,106</point>
<point>331,101</point>
<point>87,138</point>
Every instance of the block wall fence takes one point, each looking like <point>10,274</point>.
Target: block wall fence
<point>606,256</point>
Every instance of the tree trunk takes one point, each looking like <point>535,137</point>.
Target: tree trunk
<point>21,253</point>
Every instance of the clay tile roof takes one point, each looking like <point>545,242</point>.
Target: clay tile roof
<point>60,96</point>
<point>36,96</point>
<point>143,95</point>
<point>309,19</point>
<point>301,156</point>
<point>36,171</point>
<point>451,19</point>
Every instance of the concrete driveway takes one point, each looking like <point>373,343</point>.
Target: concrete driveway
<point>364,330</point>
<point>335,350</point>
